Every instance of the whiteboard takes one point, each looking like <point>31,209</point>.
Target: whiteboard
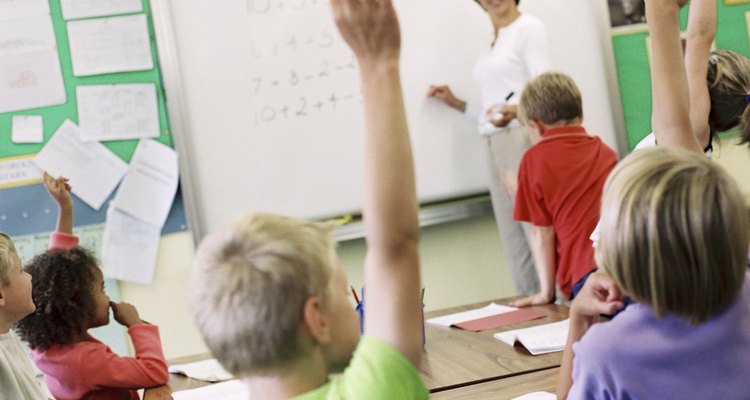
<point>265,104</point>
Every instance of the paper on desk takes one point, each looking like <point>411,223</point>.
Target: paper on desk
<point>538,339</point>
<point>93,170</point>
<point>115,112</point>
<point>27,129</point>
<point>129,248</point>
<point>496,321</point>
<point>149,187</point>
<point>106,45</point>
<point>206,370</point>
<point>537,396</point>
<point>15,9</point>
<point>230,390</point>
<point>463,316</point>
<point>74,9</point>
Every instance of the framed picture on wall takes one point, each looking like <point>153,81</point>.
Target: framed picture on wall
<point>628,12</point>
<point>733,2</point>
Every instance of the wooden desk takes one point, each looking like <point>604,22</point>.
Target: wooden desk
<point>453,357</point>
<point>505,388</point>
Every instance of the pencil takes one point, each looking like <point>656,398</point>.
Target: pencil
<point>354,292</point>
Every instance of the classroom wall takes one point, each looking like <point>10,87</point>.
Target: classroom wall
<point>462,262</point>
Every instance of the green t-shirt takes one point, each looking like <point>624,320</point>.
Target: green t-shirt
<point>377,371</point>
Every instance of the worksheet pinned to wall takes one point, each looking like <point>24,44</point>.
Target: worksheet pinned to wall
<point>27,129</point>
<point>129,248</point>
<point>148,189</point>
<point>107,45</point>
<point>92,168</point>
<point>117,112</point>
<point>15,9</point>
<point>30,74</point>
<point>75,9</point>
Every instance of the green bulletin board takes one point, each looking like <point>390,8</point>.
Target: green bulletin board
<point>27,212</point>
<point>632,63</point>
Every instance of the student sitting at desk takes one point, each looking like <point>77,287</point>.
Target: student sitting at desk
<point>269,294</point>
<point>70,299</point>
<point>559,185</point>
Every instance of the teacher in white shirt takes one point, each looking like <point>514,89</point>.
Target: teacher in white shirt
<point>518,51</point>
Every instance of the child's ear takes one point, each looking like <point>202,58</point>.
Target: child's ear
<point>2,296</point>
<point>315,320</point>
<point>536,130</point>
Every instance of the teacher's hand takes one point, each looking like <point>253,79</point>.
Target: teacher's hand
<point>502,118</point>
<point>444,94</point>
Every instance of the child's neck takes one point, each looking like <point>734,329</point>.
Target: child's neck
<point>304,376</point>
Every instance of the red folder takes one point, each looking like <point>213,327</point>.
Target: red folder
<point>496,321</point>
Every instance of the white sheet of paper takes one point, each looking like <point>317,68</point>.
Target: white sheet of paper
<point>30,80</point>
<point>539,339</point>
<point>106,45</point>
<point>230,390</point>
<point>75,9</point>
<point>27,129</point>
<point>27,34</point>
<point>487,311</point>
<point>93,170</point>
<point>537,396</point>
<point>116,112</point>
<point>16,9</point>
<point>148,189</point>
<point>206,370</point>
<point>129,248</point>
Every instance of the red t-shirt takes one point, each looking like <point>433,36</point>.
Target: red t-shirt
<point>560,184</point>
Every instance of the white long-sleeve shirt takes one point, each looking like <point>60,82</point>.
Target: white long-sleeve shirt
<point>520,53</point>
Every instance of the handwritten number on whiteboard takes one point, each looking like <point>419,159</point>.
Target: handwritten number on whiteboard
<point>323,69</point>
<point>256,82</point>
<point>258,6</point>
<point>302,106</point>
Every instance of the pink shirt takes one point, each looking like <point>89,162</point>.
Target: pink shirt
<point>90,370</point>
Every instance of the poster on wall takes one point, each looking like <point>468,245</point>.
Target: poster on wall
<point>627,12</point>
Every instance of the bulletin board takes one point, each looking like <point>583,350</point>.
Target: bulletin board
<point>633,68</point>
<point>26,212</point>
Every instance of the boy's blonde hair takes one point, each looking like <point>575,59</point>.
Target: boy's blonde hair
<point>250,282</point>
<point>674,233</point>
<point>551,97</point>
<point>7,251</point>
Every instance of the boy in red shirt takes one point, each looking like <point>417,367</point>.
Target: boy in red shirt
<point>560,184</point>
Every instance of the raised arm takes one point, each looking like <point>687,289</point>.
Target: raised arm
<point>669,89</point>
<point>59,191</point>
<point>700,35</point>
<point>393,303</point>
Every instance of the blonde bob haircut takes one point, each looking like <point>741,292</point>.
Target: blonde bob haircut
<point>674,233</point>
<point>250,281</point>
<point>7,251</point>
<point>551,97</point>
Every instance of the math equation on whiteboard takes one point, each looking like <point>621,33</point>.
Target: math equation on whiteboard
<point>267,6</point>
<point>301,68</point>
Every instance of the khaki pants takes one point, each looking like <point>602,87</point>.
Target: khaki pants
<point>504,152</point>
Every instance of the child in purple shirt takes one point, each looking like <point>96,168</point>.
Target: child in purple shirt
<point>675,239</point>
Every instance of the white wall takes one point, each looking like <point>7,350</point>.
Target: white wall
<point>462,262</point>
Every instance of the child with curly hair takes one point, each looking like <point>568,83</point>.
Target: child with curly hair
<point>70,298</point>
